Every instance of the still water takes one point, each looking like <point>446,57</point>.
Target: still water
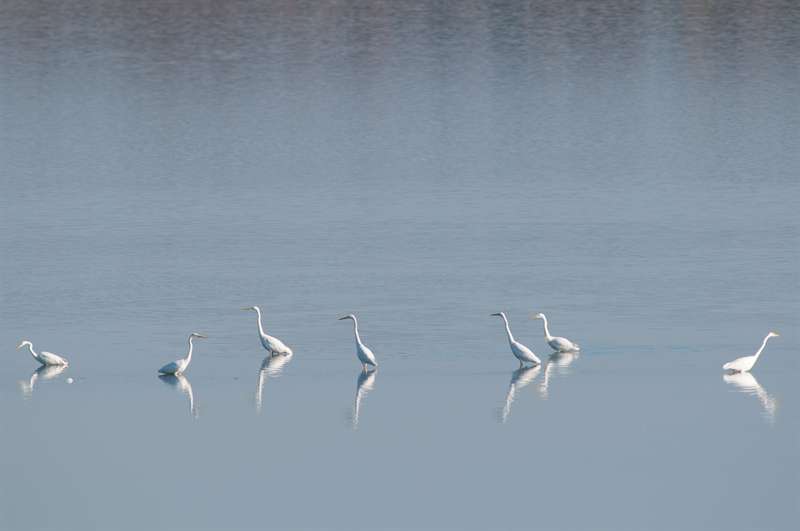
<point>629,168</point>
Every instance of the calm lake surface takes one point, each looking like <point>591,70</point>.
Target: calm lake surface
<point>629,168</point>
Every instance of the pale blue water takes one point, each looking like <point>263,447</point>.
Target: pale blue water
<point>629,168</point>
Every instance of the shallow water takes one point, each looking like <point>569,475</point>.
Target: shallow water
<point>628,168</point>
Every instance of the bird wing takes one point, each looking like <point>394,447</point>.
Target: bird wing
<point>170,368</point>
<point>562,343</point>
<point>52,359</point>
<point>369,355</point>
<point>277,346</point>
<point>525,353</point>
<point>736,364</point>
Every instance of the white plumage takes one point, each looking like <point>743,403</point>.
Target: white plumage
<point>179,366</point>
<point>365,355</point>
<point>271,343</point>
<point>560,344</point>
<point>520,351</point>
<point>745,363</point>
<point>45,358</point>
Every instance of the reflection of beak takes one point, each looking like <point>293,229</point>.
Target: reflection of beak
<point>342,318</point>
<point>494,314</point>
<point>20,345</point>
<point>201,335</point>
<point>248,308</point>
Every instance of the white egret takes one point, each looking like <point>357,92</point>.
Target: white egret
<point>272,344</point>
<point>183,384</point>
<point>45,358</point>
<point>180,366</point>
<point>271,367</point>
<point>560,344</point>
<point>522,353</point>
<point>365,384</point>
<point>519,379</point>
<point>365,355</point>
<point>745,363</point>
<point>746,383</point>
<point>45,372</point>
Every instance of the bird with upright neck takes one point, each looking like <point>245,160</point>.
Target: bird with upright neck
<point>273,345</point>
<point>364,354</point>
<point>745,363</point>
<point>559,344</point>
<point>520,351</point>
<point>45,358</point>
<point>179,366</point>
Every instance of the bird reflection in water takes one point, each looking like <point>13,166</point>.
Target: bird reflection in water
<point>182,383</point>
<point>519,379</point>
<point>746,383</point>
<point>271,367</point>
<point>559,362</point>
<point>45,372</point>
<point>365,384</point>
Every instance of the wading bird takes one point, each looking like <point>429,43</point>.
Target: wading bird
<point>745,363</point>
<point>365,355</point>
<point>522,353</point>
<point>272,344</point>
<point>45,358</point>
<point>560,344</point>
<point>179,366</point>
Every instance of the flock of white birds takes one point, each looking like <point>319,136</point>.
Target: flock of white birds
<point>276,347</point>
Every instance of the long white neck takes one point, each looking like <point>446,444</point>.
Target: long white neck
<point>763,344</point>
<point>508,328</point>
<point>189,355</point>
<point>260,326</point>
<point>33,353</point>
<point>355,331</point>
<point>546,329</point>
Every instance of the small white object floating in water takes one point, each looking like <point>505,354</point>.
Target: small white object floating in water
<point>70,380</point>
